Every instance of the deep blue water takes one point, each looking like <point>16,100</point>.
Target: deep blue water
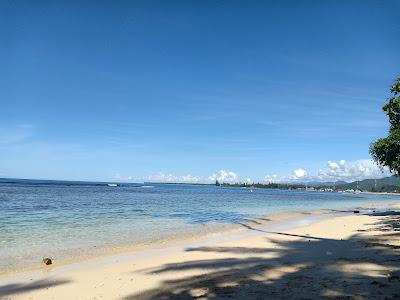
<point>58,219</point>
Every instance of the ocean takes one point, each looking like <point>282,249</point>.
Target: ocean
<point>65,219</point>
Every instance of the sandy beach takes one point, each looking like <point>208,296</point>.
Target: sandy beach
<point>337,255</point>
<point>199,150</point>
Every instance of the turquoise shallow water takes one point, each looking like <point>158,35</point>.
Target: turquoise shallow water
<point>61,220</point>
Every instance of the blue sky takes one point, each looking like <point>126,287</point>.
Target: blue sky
<point>188,90</point>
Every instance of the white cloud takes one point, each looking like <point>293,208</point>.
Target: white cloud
<point>221,176</point>
<point>299,174</point>
<point>352,171</point>
<point>224,176</point>
<point>338,171</point>
<point>335,171</point>
<point>191,178</point>
<point>271,178</point>
<point>162,177</point>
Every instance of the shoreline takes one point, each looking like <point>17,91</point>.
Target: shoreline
<point>213,233</point>
<point>204,232</point>
<point>281,221</point>
<point>330,254</point>
<point>66,245</point>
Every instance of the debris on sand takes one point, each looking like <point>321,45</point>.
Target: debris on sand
<point>47,261</point>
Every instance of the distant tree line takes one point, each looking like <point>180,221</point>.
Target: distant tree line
<point>387,184</point>
<point>270,185</point>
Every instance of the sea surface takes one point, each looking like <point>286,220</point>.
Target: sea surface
<point>61,219</point>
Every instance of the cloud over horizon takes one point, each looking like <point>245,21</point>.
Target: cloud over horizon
<point>224,176</point>
<point>352,171</point>
<point>334,171</point>
<point>162,177</point>
<point>299,174</point>
<point>221,176</point>
<point>342,171</point>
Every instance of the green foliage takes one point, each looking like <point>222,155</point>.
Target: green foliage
<point>386,151</point>
<point>392,108</point>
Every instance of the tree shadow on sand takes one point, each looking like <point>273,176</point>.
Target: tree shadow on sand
<point>303,267</point>
<point>12,289</point>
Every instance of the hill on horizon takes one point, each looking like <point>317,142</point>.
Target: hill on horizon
<point>386,184</point>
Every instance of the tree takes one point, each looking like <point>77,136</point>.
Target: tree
<point>386,151</point>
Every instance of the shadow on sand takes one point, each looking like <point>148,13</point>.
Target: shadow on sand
<point>11,289</point>
<point>303,267</point>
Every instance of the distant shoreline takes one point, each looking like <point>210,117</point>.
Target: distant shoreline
<point>381,193</point>
<point>387,185</point>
